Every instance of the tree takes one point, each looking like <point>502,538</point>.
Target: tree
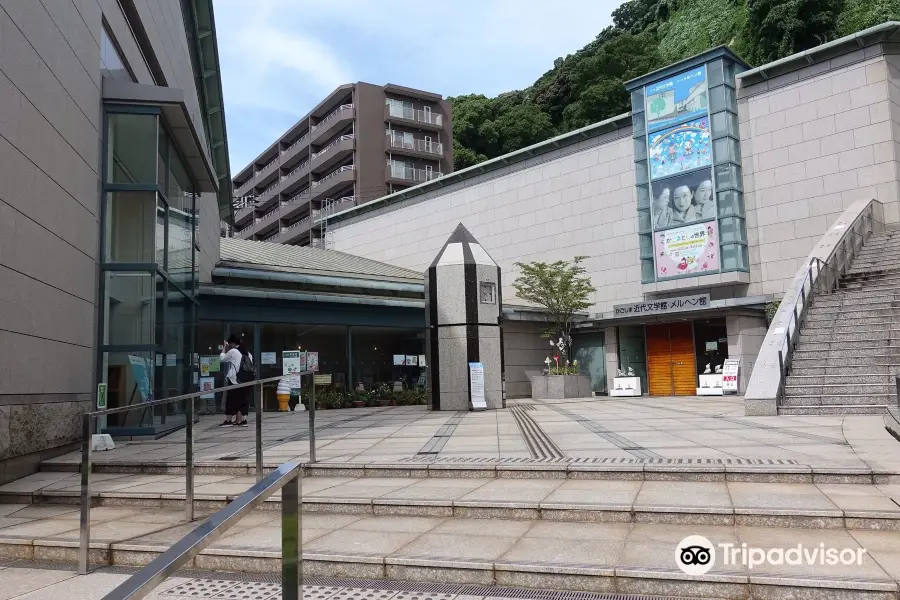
<point>862,14</point>
<point>562,288</point>
<point>779,28</point>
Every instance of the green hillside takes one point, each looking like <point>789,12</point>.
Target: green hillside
<point>587,86</point>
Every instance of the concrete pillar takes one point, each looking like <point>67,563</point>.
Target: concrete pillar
<point>745,338</point>
<point>462,317</point>
<point>611,347</point>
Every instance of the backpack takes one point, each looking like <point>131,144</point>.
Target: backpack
<point>247,372</point>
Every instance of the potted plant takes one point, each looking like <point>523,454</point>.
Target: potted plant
<point>564,291</point>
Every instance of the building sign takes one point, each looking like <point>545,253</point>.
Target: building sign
<point>476,386</point>
<point>101,396</point>
<point>730,375</point>
<point>680,148</point>
<point>662,307</point>
<point>676,99</point>
<point>688,250</point>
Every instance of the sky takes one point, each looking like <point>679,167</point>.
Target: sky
<point>279,58</point>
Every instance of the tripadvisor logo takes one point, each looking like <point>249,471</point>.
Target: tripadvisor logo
<point>696,555</point>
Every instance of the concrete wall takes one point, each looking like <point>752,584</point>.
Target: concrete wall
<point>50,121</point>
<point>577,200</point>
<point>524,352</point>
<point>812,143</point>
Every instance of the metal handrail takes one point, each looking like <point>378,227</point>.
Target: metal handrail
<point>329,116</point>
<point>287,478</point>
<point>823,277</point>
<point>87,425</point>
<point>343,138</point>
<point>334,173</point>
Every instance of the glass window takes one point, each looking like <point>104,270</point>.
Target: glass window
<point>130,317</point>
<point>179,325</point>
<point>640,149</point>
<point>130,230</point>
<point>129,378</point>
<point>590,352</point>
<point>731,202</point>
<point>180,247</point>
<point>728,177</point>
<point>731,229</point>
<point>644,220</point>
<point>637,101</point>
<point>648,271</point>
<point>112,65</point>
<point>724,123</point>
<point>734,257</point>
<point>715,73</point>
<point>178,188</point>
<point>632,352</point>
<point>711,344</point>
<point>726,150</point>
<point>160,256</point>
<point>132,154</point>
<point>641,176</point>
<point>643,196</point>
<point>722,98</point>
<point>646,244</point>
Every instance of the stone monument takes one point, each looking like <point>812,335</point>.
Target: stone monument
<point>462,317</point>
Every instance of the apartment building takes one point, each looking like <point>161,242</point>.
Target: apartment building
<point>360,143</point>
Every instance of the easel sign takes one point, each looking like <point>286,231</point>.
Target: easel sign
<point>730,375</point>
<point>476,386</point>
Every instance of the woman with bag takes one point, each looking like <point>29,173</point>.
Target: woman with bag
<point>238,365</point>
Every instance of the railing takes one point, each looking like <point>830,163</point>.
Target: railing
<point>412,174</point>
<point>88,422</point>
<point>330,116</point>
<point>296,143</point>
<point>299,197</point>
<point>334,173</point>
<point>343,138</point>
<point>295,170</point>
<point>268,189</point>
<point>286,478</point>
<point>822,277</point>
<point>411,114</point>
<point>426,146</point>
<point>317,243</point>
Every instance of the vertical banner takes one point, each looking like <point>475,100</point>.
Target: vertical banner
<point>730,375</point>
<point>476,386</point>
<point>312,361</point>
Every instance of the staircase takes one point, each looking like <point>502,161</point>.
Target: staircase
<point>849,347</point>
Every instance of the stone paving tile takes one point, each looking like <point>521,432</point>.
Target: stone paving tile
<point>654,545</point>
<point>14,582</point>
<point>794,496</point>
<point>436,489</point>
<point>394,524</point>
<point>8,509</point>
<point>355,542</point>
<point>852,497</point>
<point>683,494</point>
<point>470,547</point>
<point>513,490</point>
<point>608,493</point>
<point>883,547</point>
<point>488,527</point>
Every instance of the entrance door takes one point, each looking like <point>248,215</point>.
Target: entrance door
<point>670,357</point>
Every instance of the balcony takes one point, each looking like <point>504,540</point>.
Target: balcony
<point>298,147</point>
<point>332,123</point>
<point>295,205</point>
<point>331,154</point>
<point>332,182</point>
<point>332,206</point>
<point>297,175</point>
<point>409,175</point>
<point>294,231</point>
<point>423,119</point>
<point>243,209</point>
<point>267,174</point>
<point>266,222</point>
<point>396,144</point>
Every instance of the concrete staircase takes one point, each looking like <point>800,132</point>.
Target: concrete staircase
<point>849,347</point>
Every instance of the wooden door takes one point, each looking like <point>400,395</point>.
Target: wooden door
<point>670,360</point>
<point>659,361</point>
<point>684,367</point>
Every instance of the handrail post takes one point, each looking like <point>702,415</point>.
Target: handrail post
<point>189,462</point>
<point>291,539</point>
<point>312,419</point>
<point>259,451</point>
<point>87,427</point>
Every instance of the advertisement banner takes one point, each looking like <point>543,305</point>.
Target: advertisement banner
<point>140,370</point>
<point>676,99</point>
<point>293,361</point>
<point>312,361</point>
<point>689,250</point>
<point>208,384</point>
<point>683,199</point>
<point>681,148</point>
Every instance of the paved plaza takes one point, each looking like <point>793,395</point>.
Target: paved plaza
<point>627,431</point>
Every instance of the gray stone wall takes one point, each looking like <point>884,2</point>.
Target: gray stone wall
<point>812,143</point>
<point>524,353</point>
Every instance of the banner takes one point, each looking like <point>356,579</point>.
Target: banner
<point>293,361</point>
<point>676,99</point>
<point>681,148</point>
<point>689,250</point>
<point>682,199</point>
<point>140,370</point>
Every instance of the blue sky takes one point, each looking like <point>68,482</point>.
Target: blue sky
<point>281,57</point>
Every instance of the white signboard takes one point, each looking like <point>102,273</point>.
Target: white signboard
<point>268,358</point>
<point>476,386</point>
<point>730,375</point>
<point>662,306</point>
<point>293,361</point>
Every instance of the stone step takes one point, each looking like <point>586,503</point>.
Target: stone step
<point>866,373</point>
<point>861,302</point>
<point>608,560</point>
<point>835,334</point>
<point>840,328</point>
<point>863,290</point>
<point>798,398</point>
<point>870,270</point>
<point>816,313</point>
<point>806,387</point>
<point>825,506</point>
<point>833,319</point>
<point>800,360</point>
<point>682,469</point>
<point>844,353</point>
<point>840,409</point>
<point>822,378</point>
<point>847,344</point>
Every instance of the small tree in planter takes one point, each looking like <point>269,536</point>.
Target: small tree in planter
<point>563,289</point>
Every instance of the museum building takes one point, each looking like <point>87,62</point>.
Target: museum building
<point>696,209</point>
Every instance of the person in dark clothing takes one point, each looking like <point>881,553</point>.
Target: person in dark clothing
<point>234,361</point>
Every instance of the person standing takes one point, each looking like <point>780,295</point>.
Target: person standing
<point>238,365</point>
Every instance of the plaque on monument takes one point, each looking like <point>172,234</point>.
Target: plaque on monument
<point>476,386</point>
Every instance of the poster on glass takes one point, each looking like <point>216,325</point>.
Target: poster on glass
<point>683,199</point>
<point>689,250</point>
<point>681,148</point>
<point>676,99</point>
